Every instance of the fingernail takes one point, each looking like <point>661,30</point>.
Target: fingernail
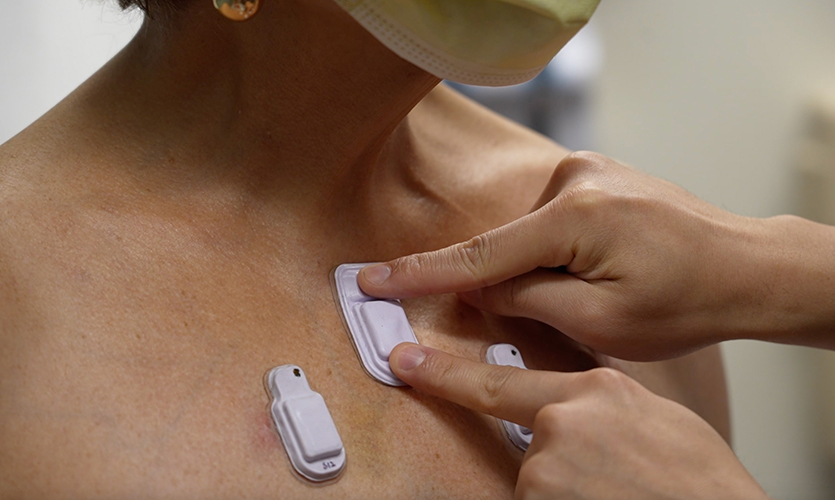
<point>410,357</point>
<point>377,274</point>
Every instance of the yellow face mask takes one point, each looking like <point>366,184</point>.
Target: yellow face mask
<point>478,42</point>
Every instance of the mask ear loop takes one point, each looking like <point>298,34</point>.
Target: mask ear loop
<point>237,10</point>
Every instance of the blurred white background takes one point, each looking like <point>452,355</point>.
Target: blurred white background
<point>49,47</point>
<point>710,95</point>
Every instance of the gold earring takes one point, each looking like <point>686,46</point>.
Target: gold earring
<point>237,10</point>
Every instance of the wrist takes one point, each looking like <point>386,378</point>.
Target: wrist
<point>795,267</point>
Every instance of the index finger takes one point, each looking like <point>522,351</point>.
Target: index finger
<point>489,258</point>
<point>505,392</point>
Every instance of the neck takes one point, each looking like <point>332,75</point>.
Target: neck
<point>297,96</point>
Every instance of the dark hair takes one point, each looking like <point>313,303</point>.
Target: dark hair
<point>126,4</point>
<point>152,7</point>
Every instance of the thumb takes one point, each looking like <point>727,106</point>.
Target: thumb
<point>516,248</point>
<point>505,392</point>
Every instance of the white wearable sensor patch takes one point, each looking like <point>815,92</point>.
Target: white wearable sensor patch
<point>305,425</point>
<point>508,355</point>
<point>376,325</point>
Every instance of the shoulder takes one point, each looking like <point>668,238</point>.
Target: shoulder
<point>17,188</point>
<point>25,185</point>
<point>28,196</point>
<point>496,164</point>
<point>11,208</point>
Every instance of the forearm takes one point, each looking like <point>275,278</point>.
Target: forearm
<point>797,289</point>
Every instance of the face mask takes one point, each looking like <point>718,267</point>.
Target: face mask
<point>478,42</point>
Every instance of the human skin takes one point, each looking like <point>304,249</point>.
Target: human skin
<point>167,237</point>
<point>636,267</point>
<point>597,434</point>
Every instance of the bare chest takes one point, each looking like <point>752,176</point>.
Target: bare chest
<point>141,374</point>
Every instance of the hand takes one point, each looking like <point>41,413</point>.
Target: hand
<point>596,434</point>
<point>623,262</point>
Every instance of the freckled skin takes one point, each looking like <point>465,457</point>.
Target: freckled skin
<point>137,328</point>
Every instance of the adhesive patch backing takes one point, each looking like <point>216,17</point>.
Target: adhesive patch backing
<point>305,425</point>
<point>508,355</point>
<point>376,326</point>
